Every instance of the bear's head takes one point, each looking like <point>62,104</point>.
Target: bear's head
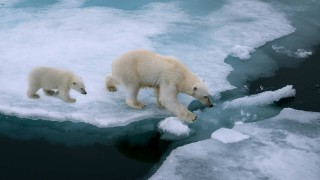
<point>78,85</point>
<point>201,93</point>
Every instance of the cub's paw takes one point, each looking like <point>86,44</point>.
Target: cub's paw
<point>34,96</point>
<point>49,92</point>
<point>71,100</point>
<point>112,88</point>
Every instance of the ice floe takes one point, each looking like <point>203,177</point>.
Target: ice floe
<point>263,98</point>
<point>172,128</point>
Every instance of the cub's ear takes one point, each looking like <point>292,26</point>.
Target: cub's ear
<point>194,88</point>
<point>74,83</point>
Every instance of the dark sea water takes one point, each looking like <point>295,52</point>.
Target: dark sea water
<point>26,153</point>
<point>304,76</point>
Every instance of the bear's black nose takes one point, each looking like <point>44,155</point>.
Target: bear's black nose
<point>211,105</point>
<point>84,92</point>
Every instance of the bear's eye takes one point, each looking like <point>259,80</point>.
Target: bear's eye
<point>205,97</point>
<point>81,89</point>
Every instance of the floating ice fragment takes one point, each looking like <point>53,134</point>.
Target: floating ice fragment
<point>263,98</point>
<point>261,87</point>
<point>279,49</point>
<point>173,129</point>
<point>300,53</point>
<point>228,135</point>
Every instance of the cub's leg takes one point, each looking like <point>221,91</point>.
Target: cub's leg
<point>64,94</point>
<point>132,97</point>
<point>32,92</point>
<point>49,92</point>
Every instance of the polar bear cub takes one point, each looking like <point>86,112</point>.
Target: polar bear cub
<point>166,75</point>
<point>50,78</point>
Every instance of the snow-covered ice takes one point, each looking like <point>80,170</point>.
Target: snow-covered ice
<point>228,135</point>
<point>85,39</point>
<point>242,52</point>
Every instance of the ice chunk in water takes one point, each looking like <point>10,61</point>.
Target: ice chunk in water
<point>300,53</point>
<point>263,98</point>
<point>172,128</point>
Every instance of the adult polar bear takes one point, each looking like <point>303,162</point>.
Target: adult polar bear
<point>141,68</point>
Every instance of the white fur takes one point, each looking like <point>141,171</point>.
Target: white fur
<point>168,77</point>
<point>50,78</point>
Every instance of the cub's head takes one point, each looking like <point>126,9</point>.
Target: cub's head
<point>78,85</point>
<point>201,93</point>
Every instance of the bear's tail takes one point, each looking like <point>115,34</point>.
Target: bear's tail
<point>111,83</point>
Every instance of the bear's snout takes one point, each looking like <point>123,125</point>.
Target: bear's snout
<point>209,103</point>
<point>84,92</point>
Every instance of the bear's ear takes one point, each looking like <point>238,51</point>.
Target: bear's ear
<point>74,83</point>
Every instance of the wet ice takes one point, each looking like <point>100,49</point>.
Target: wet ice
<point>278,148</point>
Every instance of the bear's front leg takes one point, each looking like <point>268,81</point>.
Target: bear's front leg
<point>168,98</point>
<point>64,94</point>
<point>179,110</point>
<point>187,115</point>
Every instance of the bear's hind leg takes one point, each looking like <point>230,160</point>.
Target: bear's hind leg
<point>157,92</point>
<point>131,99</point>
